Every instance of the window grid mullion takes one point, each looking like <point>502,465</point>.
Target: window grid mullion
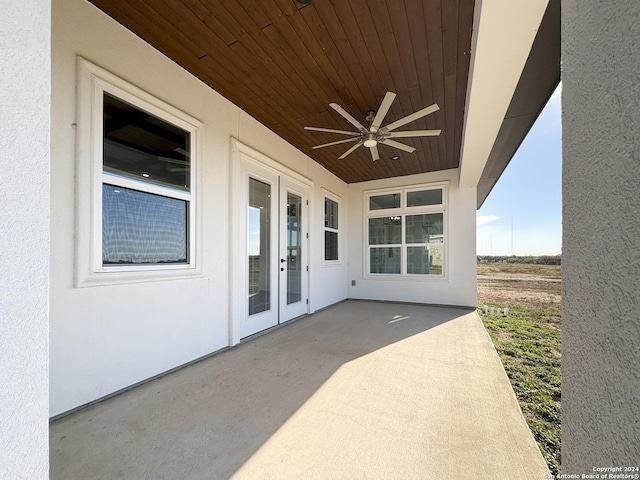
<point>403,250</point>
<point>139,186</point>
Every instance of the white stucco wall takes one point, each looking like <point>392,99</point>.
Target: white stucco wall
<point>601,235</point>
<point>459,286</point>
<point>105,338</point>
<point>24,238</point>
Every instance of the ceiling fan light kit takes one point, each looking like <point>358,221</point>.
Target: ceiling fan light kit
<point>371,141</point>
<point>375,134</point>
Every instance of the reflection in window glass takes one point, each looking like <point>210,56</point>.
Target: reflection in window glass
<point>425,228</point>
<point>381,202</point>
<point>425,260</point>
<point>142,228</point>
<point>330,230</point>
<point>330,213</point>
<point>385,230</point>
<point>259,249</point>
<point>141,146</point>
<point>385,260</point>
<point>294,267</point>
<point>424,197</point>
<point>330,245</point>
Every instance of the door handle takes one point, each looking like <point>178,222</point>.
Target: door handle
<point>282,260</point>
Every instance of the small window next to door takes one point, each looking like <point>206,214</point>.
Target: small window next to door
<point>331,230</point>
<point>259,248</point>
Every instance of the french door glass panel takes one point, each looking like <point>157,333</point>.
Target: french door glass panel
<point>294,244</point>
<point>259,247</point>
<point>293,250</point>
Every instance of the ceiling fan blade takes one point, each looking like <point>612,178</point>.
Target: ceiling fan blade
<point>410,118</point>
<point>348,117</point>
<point>330,130</point>
<point>401,146</point>
<point>336,143</point>
<point>415,133</point>
<point>349,151</point>
<point>374,153</point>
<point>382,111</point>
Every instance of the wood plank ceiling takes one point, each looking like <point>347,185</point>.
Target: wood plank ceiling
<point>283,62</point>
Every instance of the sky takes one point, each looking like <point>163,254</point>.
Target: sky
<point>523,213</point>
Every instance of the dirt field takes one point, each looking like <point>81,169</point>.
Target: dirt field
<point>536,287</point>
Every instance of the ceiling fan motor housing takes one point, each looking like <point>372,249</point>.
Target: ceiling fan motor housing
<point>370,116</point>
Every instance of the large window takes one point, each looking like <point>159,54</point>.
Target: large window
<point>136,182</point>
<point>331,232</point>
<point>146,187</point>
<point>406,232</point>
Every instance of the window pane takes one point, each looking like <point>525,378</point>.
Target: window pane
<point>385,260</point>
<point>424,197</point>
<point>141,146</point>
<point>259,250</point>
<point>381,202</point>
<point>385,230</point>
<point>330,213</point>
<point>425,260</point>
<point>330,245</point>
<point>426,228</point>
<point>294,245</point>
<point>142,228</point>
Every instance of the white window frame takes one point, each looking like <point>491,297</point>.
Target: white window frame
<point>403,211</point>
<point>331,263</point>
<point>93,82</point>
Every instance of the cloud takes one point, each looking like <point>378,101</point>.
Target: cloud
<point>483,219</point>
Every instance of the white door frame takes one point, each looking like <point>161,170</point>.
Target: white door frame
<point>245,160</point>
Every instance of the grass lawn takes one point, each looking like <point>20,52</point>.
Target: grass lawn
<point>528,341</point>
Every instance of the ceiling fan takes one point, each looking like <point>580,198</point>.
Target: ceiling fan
<point>375,134</point>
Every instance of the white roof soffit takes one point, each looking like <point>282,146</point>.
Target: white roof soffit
<point>504,31</point>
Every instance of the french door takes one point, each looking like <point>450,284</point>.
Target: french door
<point>276,250</point>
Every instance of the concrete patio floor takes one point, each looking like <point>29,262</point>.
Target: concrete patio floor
<point>360,390</point>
